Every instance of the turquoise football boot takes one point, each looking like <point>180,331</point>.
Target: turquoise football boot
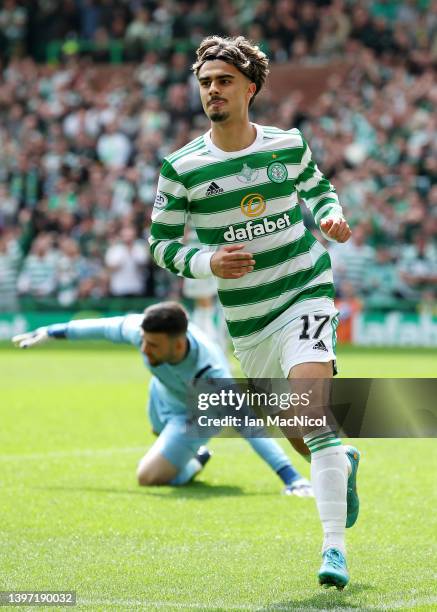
<point>334,569</point>
<point>353,503</point>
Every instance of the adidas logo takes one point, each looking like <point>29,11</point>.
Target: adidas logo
<point>320,346</point>
<point>214,189</point>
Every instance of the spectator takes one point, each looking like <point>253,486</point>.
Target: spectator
<point>8,207</point>
<point>113,147</point>
<point>151,73</point>
<point>418,269</point>
<point>308,23</point>
<point>13,24</point>
<point>382,282</point>
<point>333,32</point>
<point>139,32</point>
<point>10,258</point>
<point>38,276</point>
<point>353,260</point>
<point>126,261</point>
<point>153,118</point>
<point>68,271</point>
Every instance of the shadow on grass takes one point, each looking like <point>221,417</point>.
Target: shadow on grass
<point>329,599</point>
<point>195,490</point>
<point>199,490</point>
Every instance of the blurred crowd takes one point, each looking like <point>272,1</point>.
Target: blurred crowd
<point>288,29</point>
<point>81,142</point>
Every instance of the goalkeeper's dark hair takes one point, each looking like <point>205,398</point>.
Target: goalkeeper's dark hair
<point>165,318</point>
<point>246,56</point>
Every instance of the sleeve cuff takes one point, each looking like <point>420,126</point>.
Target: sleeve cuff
<point>200,264</point>
<point>57,330</point>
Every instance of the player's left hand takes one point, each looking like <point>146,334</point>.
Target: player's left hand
<point>336,228</point>
<point>32,338</point>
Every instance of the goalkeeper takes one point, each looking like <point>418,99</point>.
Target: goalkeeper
<point>177,354</point>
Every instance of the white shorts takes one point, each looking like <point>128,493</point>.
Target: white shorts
<point>306,339</point>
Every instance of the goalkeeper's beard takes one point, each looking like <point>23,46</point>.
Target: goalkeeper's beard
<point>218,117</point>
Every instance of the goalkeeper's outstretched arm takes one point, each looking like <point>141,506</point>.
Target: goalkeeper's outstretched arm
<point>125,330</point>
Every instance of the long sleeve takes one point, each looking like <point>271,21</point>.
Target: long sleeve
<point>167,231</point>
<point>120,330</point>
<point>315,190</point>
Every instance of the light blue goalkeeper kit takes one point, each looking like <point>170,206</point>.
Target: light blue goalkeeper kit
<point>171,387</point>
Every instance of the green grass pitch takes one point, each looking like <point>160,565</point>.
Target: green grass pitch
<point>72,428</point>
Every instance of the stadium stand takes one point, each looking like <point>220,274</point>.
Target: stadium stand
<point>93,94</point>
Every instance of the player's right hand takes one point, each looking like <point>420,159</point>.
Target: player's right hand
<point>38,336</point>
<point>232,262</point>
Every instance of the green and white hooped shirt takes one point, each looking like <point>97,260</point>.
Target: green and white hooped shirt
<point>248,197</point>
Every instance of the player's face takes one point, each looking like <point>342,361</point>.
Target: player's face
<point>158,347</point>
<point>224,91</point>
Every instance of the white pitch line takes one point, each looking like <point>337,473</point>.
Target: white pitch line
<point>80,452</point>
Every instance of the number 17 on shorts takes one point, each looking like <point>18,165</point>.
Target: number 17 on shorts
<point>309,338</point>
<point>306,338</point>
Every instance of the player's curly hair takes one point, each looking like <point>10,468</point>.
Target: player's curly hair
<point>246,56</point>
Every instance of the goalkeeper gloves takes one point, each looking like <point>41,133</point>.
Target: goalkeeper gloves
<point>38,336</point>
<point>41,335</point>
